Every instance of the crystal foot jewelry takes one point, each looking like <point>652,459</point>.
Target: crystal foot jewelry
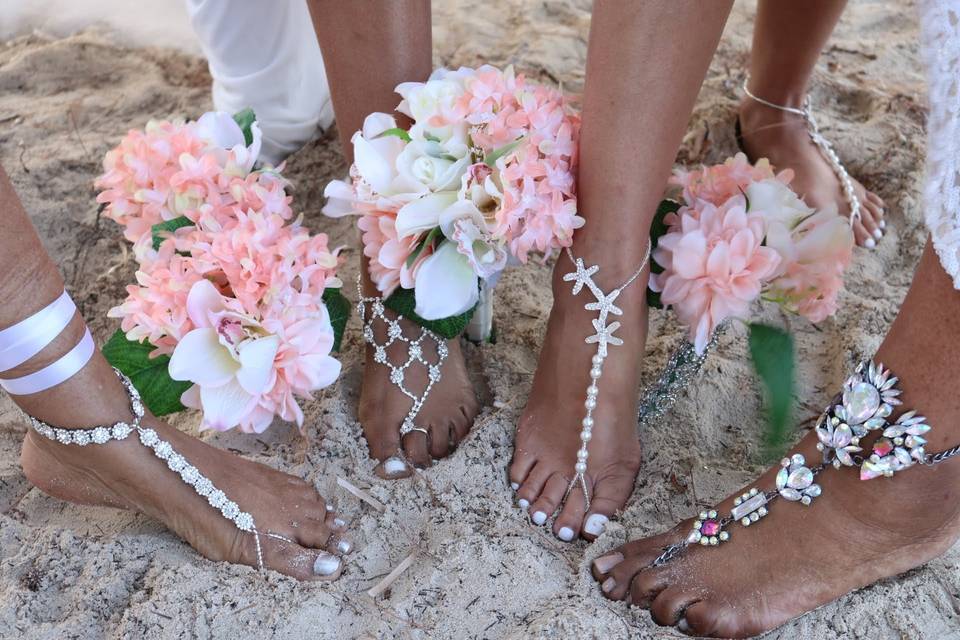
<point>326,564</point>
<point>604,337</point>
<point>863,407</point>
<point>813,130</point>
<point>415,354</point>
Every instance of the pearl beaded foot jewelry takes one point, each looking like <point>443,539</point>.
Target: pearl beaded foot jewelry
<point>813,130</point>
<point>604,336</point>
<point>867,400</point>
<point>415,354</point>
<point>325,564</point>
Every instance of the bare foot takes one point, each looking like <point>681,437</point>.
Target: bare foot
<point>447,414</point>
<point>125,474</point>
<point>548,434</point>
<point>783,139</point>
<point>855,533</point>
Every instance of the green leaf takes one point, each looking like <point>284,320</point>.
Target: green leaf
<point>163,230</point>
<point>395,131</point>
<point>339,309</point>
<point>403,301</point>
<point>427,239</point>
<point>245,119</point>
<point>658,228</point>
<point>771,351</point>
<point>491,160</point>
<point>150,376</point>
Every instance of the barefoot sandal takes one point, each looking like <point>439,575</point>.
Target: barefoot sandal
<point>813,130</point>
<point>415,354</point>
<point>867,400</point>
<point>27,338</point>
<point>604,336</point>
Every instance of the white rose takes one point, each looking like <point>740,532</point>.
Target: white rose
<point>426,163</point>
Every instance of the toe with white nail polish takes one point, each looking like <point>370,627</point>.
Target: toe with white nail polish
<point>870,243</point>
<point>877,233</point>
<point>596,524</point>
<point>344,546</point>
<point>608,585</point>
<point>514,485</point>
<point>539,517</point>
<point>565,534</point>
<point>603,564</point>
<point>883,224</point>
<point>394,466</point>
<point>326,564</point>
<point>339,523</point>
<point>523,503</point>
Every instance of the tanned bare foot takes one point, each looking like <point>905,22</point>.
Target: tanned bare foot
<point>855,533</point>
<point>783,139</point>
<point>447,414</point>
<point>548,433</point>
<point>125,474</point>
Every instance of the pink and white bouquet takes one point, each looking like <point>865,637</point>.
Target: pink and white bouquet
<point>483,177</point>
<point>230,310</point>
<point>741,234</point>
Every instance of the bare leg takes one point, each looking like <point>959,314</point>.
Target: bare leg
<point>638,98</point>
<point>787,40</point>
<point>124,473</point>
<point>369,47</point>
<point>855,533</point>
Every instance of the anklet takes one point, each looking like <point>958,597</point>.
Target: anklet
<point>822,143</point>
<point>325,564</point>
<point>604,336</point>
<point>414,354</point>
<point>867,400</point>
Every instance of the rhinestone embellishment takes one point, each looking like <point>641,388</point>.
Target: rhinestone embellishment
<point>372,309</point>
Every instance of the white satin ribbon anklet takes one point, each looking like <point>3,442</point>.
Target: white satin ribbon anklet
<point>603,338</point>
<point>25,339</point>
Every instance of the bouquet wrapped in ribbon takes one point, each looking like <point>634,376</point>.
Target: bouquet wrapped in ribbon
<point>482,178</point>
<point>237,306</point>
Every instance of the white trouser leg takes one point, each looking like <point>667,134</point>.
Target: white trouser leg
<point>264,55</point>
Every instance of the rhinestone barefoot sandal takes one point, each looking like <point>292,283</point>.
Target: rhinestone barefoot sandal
<point>867,400</point>
<point>326,563</point>
<point>415,355</point>
<point>603,338</point>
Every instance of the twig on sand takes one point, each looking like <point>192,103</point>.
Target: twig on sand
<point>360,493</point>
<point>384,584</point>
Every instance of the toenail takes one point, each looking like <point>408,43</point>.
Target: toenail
<point>523,503</point>
<point>877,233</point>
<point>682,625</point>
<point>883,224</point>
<point>339,522</point>
<point>565,534</point>
<point>608,585</point>
<point>326,564</point>
<point>539,517</point>
<point>394,466</point>
<point>514,485</point>
<point>329,507</point>
<point>595,524</point>
<point>603,564</point>
<point>870,243</point>
<point>344,546</point>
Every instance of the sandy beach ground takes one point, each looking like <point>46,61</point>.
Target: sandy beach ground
<point>481,570</point>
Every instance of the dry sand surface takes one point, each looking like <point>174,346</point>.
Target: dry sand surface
<point>481,570</point>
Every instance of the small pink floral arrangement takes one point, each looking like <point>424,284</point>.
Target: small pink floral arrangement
<point>229,313</point>
<point>484,176</point>
<point>741,234</point>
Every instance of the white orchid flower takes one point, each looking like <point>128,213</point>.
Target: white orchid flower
<point>446,284</point>
<point>222,132</point>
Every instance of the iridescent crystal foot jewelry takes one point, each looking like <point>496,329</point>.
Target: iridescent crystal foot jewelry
<point>813,130</point>
<point>325,564</point>
<point>867,400</point>
<point>415,354</point>
<point>604,336</point>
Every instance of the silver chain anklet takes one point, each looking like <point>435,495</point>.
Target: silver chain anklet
<point>189,474</point>
<point>604,336</point>
<point>813,130</point>
<point>867,400</point>
<point>415,354</point>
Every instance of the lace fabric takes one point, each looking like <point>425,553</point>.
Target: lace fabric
<point>940,38</point>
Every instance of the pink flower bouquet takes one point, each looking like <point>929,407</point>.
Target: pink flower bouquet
<point>741,234</point>
<point>230,310</point>
<point>483,177</point>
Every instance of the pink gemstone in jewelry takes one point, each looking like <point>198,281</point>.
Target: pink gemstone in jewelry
<point>710,528</point>
<point>883,447</point>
